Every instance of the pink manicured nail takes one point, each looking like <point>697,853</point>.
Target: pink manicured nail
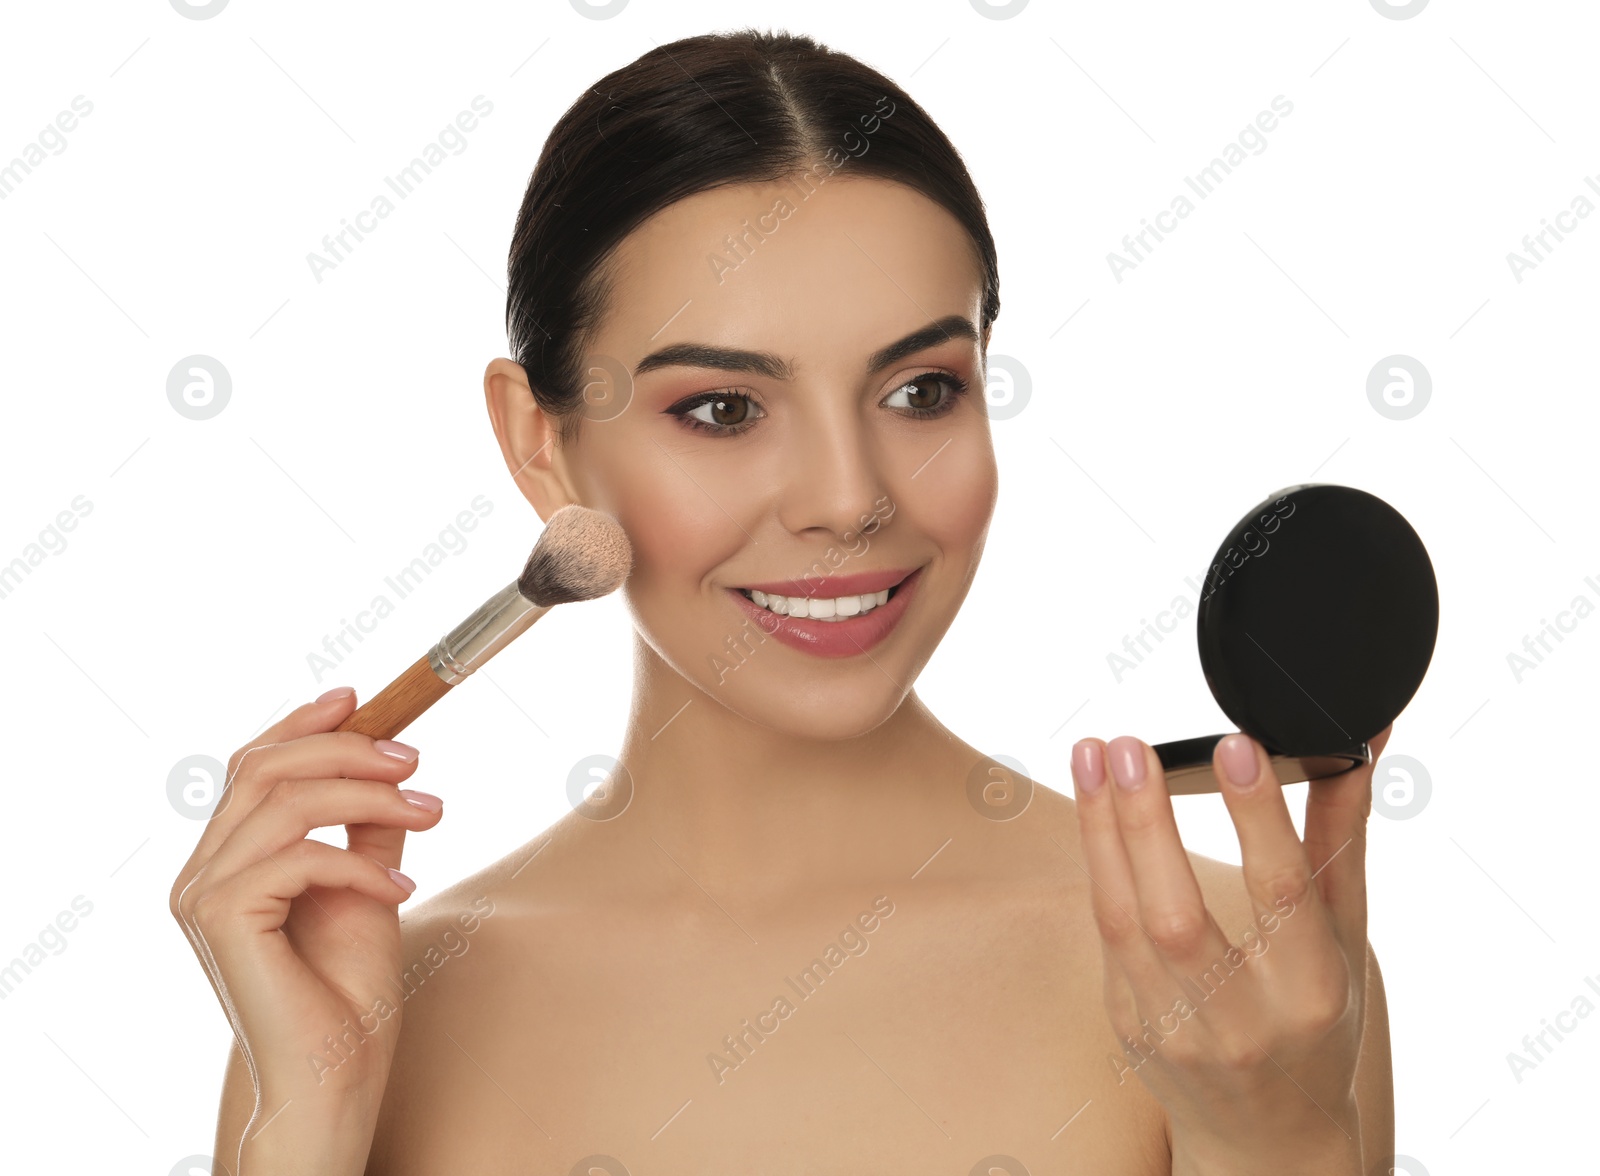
<point>1088,767</point>
<point>336,692</point>
<point>1127,761</point>
<point>395,750</point>
<point>423,800</point>
<point>1239,760</point>
<point>406,883</point>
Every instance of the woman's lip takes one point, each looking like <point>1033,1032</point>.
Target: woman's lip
<point>833,638</point>
<point>826,587</point>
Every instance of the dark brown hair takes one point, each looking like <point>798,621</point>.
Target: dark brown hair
<point>700,113</point>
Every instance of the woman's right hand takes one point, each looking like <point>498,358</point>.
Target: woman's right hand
<point>301,940</point>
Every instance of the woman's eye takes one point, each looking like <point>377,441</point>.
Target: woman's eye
<point>720,412</point>
<point>939,395</point>
<point>931,394</point>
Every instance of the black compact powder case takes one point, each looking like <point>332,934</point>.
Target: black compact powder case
<point>1316,624</point>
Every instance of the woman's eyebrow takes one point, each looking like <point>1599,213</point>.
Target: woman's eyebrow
<point>764,363</point>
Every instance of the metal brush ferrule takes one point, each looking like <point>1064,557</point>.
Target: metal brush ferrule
<point>493,625</point>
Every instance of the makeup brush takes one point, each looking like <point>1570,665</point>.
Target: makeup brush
<point>581,554</point>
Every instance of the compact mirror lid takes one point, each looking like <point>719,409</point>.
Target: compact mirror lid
<point>1317,619</point>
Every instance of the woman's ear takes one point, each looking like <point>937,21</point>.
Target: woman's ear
<point>527,436</point>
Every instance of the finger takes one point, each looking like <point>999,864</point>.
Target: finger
<point>1337,811</point>
<point>310,756</point>
<point>1171,905</point>
<point>259,766</point>
<point>323,713</point>
<point>1112,892</point>
<point>239,919</point>
<point>380,841</point>
<point>350,754</point>
<point>1277,873</point>
<point>295,807</point>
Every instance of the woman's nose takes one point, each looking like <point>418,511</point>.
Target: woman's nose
<point>833,475</point>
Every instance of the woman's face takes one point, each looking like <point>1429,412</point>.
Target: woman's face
<point>820,454</point>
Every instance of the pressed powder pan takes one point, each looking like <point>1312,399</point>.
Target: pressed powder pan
<point>1316,624</point>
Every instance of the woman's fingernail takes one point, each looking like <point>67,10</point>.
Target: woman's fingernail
<point>403,881</point>
<point>395,750</point>
<point>423,800</point>
<point>336,692</point>
<point>1127,761</point>
<point>1239,761</point>
<point>1088,767</point>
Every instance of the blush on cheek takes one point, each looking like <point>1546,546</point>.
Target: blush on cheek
<point>954,508</point>
<point>678,534</point>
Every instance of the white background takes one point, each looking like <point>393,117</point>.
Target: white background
<point>1231,362</point>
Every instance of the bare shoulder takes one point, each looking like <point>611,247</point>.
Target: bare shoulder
<point>499,888</point>
<point>461,910</point>
<point>458,949</point>
<point>445,943</point>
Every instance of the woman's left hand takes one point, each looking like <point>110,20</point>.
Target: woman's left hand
<point>1250,1046</point>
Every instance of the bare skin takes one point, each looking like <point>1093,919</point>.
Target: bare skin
<point>581,1018</point>
<point>777,801</point>
<point>971,1024</point>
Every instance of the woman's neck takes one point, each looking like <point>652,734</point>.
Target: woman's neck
<point>741,808</point>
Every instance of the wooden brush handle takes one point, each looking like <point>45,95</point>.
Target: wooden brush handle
<point>399,704</point>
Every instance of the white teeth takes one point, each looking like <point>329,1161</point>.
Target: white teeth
<point>833,609</point>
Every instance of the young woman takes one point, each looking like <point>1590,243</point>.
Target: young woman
<point>751,291</point>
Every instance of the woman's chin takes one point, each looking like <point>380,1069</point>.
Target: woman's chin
<point>826,720</point>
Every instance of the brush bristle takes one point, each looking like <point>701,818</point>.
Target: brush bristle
<point>582,554</point>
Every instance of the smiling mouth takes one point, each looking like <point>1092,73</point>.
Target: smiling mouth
<point>820,608</point>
